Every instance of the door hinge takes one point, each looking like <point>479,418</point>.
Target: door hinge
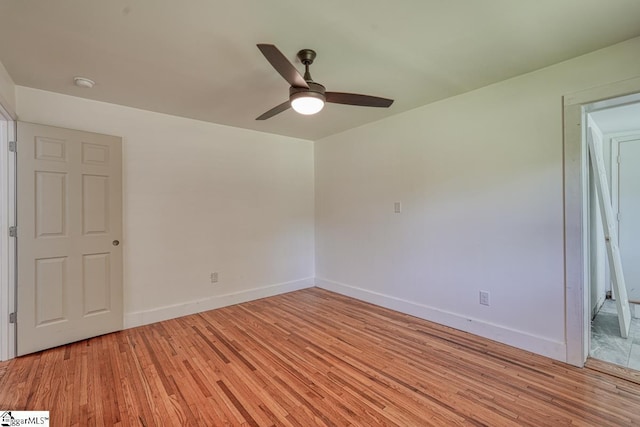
<point>12,146</point>
<point>12,317</point>
<point>13,231</point>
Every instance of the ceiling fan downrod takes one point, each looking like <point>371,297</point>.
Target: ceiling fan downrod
<point>306,56</point>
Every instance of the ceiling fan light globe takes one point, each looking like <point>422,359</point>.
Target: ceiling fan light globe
<point>307,105</point>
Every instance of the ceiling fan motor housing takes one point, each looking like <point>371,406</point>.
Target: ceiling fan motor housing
<point>316,90</point>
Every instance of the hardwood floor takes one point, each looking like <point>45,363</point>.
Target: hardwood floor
<point>309,358</point>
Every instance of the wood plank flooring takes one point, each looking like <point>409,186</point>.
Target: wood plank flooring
<point>309,358</point>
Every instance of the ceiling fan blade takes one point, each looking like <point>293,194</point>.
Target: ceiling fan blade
<point>356,99</point>
<point>275,110</point>
<point>282,65</point>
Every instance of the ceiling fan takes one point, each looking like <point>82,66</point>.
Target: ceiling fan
<point>305,95</point>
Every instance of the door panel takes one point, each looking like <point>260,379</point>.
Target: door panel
<point>629,219</point>
<point>69,212</point>
<point>95,204</point>
<point>51,200</point>
<point>51,278</point>
<point>96,283</point>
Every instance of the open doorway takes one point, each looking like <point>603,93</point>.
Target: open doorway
<point>578,305</point>
<point>617,121</point>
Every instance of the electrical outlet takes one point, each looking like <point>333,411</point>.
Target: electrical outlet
<point>484,297</point>
<point>214,277</point>
<point>397,207</point>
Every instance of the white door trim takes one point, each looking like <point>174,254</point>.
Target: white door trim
<point>7,244</point>
<point>576,255</point>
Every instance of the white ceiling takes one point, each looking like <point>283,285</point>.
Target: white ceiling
<point>198,58</point>
<point>623,118</point>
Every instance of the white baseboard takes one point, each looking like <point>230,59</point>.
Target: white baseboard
<point>139,318</point>
<point>535,344</point>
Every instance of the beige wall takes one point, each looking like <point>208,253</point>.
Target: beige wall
<point>198,198</point>
<point>480,180</point>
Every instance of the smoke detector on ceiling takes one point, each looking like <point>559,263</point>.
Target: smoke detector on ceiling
<point>83,82</point>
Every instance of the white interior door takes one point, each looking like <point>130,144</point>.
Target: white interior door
<point>69,226</point>
<point>629,214</point>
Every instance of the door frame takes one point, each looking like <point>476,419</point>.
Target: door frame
<point>7,244</point>
<point>576,106</point>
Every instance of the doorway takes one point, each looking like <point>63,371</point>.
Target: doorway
<point>619,126</point>
<point>70,188</point>
<point>577,230</point>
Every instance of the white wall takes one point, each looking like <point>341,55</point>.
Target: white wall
<point>198,198</point>
<point>7,91</point>
<point>480,179</point>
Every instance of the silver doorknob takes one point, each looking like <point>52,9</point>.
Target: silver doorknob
<point>115,242</point>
